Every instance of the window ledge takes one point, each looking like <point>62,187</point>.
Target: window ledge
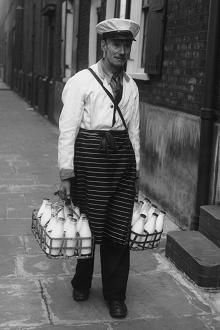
<point>139,76</point>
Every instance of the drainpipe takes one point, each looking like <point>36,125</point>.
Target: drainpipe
<point>207,112</point>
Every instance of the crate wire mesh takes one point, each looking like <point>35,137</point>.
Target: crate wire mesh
<point>139,242</point>
<point>62,247</point>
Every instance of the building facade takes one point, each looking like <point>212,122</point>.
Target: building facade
<point>174,61</point>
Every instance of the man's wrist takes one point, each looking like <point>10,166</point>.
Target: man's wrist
<point>137,175</point>
<point>66,174</point>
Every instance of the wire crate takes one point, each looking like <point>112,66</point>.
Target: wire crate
<point>62,247</point>
<point>140,242</point>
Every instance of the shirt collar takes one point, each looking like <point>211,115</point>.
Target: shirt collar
<point>104,74</point>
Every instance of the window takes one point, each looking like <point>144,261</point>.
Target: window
<point>94,19</point>
<point>135,66</point>
<point>67,39</point>
<point>155,36</point>
<point>144,27</point>
<point>122,8</point>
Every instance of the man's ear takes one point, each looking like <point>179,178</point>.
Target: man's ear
<point>103,45</point>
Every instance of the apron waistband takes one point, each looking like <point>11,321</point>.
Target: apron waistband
<point>107,138</point>
<point>102,132</point>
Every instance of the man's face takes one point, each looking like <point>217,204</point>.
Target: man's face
<point>117,51</point>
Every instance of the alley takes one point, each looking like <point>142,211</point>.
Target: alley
<point>35,292</point>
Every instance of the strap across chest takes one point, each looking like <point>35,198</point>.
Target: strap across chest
<point>116,107</point>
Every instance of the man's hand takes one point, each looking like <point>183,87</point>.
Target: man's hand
<point>137,183</point>
<point>65,189</point>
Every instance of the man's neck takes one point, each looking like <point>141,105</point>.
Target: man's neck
<point>109,69</point>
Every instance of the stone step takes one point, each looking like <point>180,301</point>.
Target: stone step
<point>209,222</point>
<point>196,256</point>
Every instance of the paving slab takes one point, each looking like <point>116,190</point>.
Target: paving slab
<point>11,245</point>
<point>21,304</point>
<point>34,199</point>
<point>15,226</point>
<point>6,168</point>
<point>16,179</point>
<point>40,266</point>
<point>7,266</point>
<point>14,206</point>
<point>143,261</point>
<point>158,295</point>
<point>164,323</point>
<point>150,296</point>
<point>45,189</point>
<point>64,310</point>
<point>31,245</point>
<point>95,326</point>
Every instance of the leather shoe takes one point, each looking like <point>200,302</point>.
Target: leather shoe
<point>117,309</point>
<point>80,295</point>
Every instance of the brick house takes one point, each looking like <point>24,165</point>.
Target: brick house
<point>174,62</point>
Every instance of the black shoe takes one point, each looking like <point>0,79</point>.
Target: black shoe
<point>117,309</point>
<point>80,295</point>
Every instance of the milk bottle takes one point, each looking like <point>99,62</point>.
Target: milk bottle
<point>152,209</point>
<point>146,205</point>
<point>79,223</point>
<point>160,223</point>
<point>41,209</point>
<point>76,211</point>
<point>86,235</point>
<point>149,227</point>
<point>55,230</point>
<point>47,213</point>
<point>70,234</point>
<point>67,210</point>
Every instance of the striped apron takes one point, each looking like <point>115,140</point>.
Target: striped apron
<point>104,184</point>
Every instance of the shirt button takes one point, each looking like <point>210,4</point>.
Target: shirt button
<point>112,105</point>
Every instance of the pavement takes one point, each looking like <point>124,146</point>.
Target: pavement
<point>35,291</point>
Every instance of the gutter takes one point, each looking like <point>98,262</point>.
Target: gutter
<point>207,112</point>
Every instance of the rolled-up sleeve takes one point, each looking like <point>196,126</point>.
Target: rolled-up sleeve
<point>69,124</point>
<point>134,129</point>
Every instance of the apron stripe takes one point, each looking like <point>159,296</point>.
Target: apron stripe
<point>103,186</point>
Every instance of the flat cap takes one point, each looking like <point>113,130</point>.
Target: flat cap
<point>118,28</point>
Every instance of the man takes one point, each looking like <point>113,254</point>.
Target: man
<point>98,155</point>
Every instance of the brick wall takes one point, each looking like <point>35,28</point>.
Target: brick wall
<point>180,85</point>
<point>83,35</point>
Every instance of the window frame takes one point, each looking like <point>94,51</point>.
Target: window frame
<point>134,68</point>
<point>67,25</point>
<point>92,58</point>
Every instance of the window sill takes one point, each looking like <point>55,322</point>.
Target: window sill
<point>139,76</point>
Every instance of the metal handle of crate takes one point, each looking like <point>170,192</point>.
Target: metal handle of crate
<point>141,242</point>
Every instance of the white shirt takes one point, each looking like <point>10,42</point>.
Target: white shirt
<point>86,105</point>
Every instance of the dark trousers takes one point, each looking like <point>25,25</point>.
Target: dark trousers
<point>115,264</point>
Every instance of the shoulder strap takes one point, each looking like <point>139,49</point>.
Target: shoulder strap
<point>110,95</point>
